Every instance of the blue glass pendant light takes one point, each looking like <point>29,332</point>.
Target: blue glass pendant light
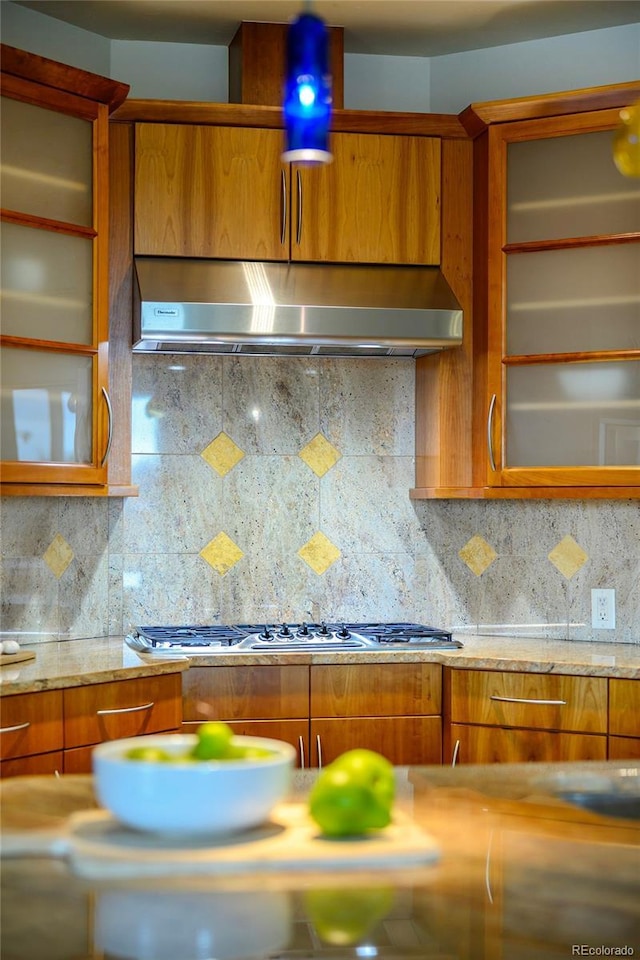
<point>307,91</point>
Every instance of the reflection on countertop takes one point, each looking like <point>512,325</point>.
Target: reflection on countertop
<point>522,873</point>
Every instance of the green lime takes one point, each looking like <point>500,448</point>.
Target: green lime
<point>214,741</point>
<point>148,754</point>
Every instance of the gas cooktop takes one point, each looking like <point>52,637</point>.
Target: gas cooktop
<point>288,637</point>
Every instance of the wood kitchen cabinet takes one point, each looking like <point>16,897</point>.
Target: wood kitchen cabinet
<point>55,277</point>
<point>393,708</point>
<point>324,710</point>
<point>223,191</point>
<point>121,708</point>
<point>31,733</point>
<point>624,719</point>
<point>56,730</point>
<point>259,700</point>
<point>495,717</point>
<point>554,349</point>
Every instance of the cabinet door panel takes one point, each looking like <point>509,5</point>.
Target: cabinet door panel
<point>378,202</point>
<point>582,299</point>
<point>47,285</point>
<point>522,700</point>
<point>245,693</point>
<point>55,182</point>
<point>37,718</point>
<point>205,191</point>
<point>624,748</point>
<point>573,414</point>
<point>624,708</point>
<point>46,407</point>
<point>403,740</point>
<point>37,765</point>
<point>376,689</point>
<point>125,708</point>
<point>567,186</point>
<point>498,745</point>
<point>295,732</point>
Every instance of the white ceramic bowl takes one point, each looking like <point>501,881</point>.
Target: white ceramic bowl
<point>206,796</point>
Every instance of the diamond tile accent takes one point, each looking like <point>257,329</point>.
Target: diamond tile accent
<point>319,553</point>
<point>222,553</point>
<point>568,556</point>
<point>222,454</point>
<point>58,555</point>
<point>477,554</point>
<point>320,455</point>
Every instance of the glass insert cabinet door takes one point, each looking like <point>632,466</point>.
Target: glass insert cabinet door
<point>564,327</point>
<point>54,406</point>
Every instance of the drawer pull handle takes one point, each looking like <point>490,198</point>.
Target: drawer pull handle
<point>19,726</point>
<point>492,406</point>
<point>456,749</point>
<point>319,746</point>
<point>143,706</point>
<point>301,745</point>
<point>551,703</point>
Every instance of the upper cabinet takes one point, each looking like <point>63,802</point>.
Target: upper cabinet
<point>56,416</point>
<point>223,191</point>
<point>556,353</point>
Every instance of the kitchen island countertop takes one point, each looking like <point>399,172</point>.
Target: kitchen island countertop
<point>70,663</point>
<point>521,872</point>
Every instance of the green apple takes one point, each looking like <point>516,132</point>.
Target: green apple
<point>343,917</point>
<point>353,795</point>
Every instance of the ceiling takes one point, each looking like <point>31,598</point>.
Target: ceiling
<point>424,28</point>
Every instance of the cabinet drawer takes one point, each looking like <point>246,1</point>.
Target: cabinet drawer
<point>376,690</point>
<point>31,723</point>
<point>624,708</point>
<point>541,701</point>
<point>245,693</point>
<point>624,748</point>
<point>405,741</point>
<point>123,708</point>
<point>498,745</point>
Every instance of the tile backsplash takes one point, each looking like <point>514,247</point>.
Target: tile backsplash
<point>278,489</point>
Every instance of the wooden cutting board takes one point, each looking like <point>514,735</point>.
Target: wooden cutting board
<point>97,846</point>
<point>7,658</point>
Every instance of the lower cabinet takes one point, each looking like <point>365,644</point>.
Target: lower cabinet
<point>55,731</point>
<point>624,719</point>
<point>31,733</point>
<point>257,700</point>
<point>512,745</point>
<point>497,717</point>
<point>324,710</point>
<point>394,708</point>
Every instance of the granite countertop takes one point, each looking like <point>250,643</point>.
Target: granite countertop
<point>519,872</point>
<point>76,663</point>
<point>71,663</point>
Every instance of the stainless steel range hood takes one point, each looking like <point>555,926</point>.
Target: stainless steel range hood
<point>289,309</point>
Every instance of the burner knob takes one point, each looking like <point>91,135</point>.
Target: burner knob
<point>266,634</point>
<point>303,631</point>
<point>284,631</point>
<point>323,632</point>
<point>343,633</point>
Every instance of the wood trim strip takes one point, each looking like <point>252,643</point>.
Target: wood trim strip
<point>570,243</point>
<point>51,346</point>
<point>247,115</point>
<point>60,76</point>
<point>43,223</point>
<point>526,493</point>
<point>583,356</point>
<point>478,116</point>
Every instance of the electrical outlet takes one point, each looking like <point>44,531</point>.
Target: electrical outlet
<point>603,609</point>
